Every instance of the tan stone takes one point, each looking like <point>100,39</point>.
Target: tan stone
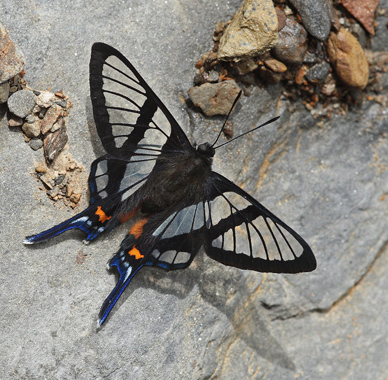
<point>348,59</point>
<point>252,32</point>
<point>275,65</point>
<point>50,118</point>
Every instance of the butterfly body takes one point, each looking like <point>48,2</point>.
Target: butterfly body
<point>154,178</point>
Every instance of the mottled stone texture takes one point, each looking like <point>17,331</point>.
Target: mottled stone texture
<point>253,31</point>
<point>348,59</point>
<point>208,321</point>
<point>11,57</point>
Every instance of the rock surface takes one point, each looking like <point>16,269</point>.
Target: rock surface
<point>215,98</point>
<point>11,57</point>
<point>315,16</point>
<point>253,31</point>
<point>21,103</point>
<point>363,11</point>
<point>4,92</point>
<point>348,59</point>
<point>292,44</point>
<point>208,321</point>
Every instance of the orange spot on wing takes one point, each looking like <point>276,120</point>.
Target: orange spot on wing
<point>101,215</point>
<point>124,218</point>
<point>135,252</point>
<point>137,228</point>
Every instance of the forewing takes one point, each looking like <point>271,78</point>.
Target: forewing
<point>119,178</point>
<point>244,234</point>
<point>128,114</point>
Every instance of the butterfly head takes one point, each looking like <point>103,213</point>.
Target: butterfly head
<point>206,150</point>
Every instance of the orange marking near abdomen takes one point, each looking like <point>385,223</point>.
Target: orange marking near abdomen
<point>124,218</point>
<point>101,215</point>
<point>135,252</point>
<point>137,228</point>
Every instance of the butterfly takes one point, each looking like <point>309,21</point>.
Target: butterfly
<point>153,176</point>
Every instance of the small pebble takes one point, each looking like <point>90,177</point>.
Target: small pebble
<point>75,197</point>
<point>54,143</point>
<point>60,94</point>
<point>328,89</point>
<point>15,121</point>
<point>246,66</point>
<point>30,119</point>
<point>275,65</point>
<point>45,99</point>
<point>292,45</point>
<point>59,124</point>
<point>59,179</point>
<point>31,129</point>
<point>71,166</point>
<point>54,192</point>
<point>62,103</point>
<point>318,73</point>
<point>21,103</point>
<point>228,129</point>
<point>4,92</point>
<point>42,112</point>
<point>50,118</point>
<point>36,144</point>
<point>41,168</point>
<point>213,77</point>
<point>47,180</point>
<point>198,79</point>
<point>214,98</point>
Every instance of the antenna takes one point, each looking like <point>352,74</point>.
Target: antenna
<point>243,134</point>
<point>227,117</point>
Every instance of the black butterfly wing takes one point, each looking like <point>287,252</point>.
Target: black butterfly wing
<point>128,114</point>
<point>134,127</point>
<point>244,234</point>
<point>167,240</point>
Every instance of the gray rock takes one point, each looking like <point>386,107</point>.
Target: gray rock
<point>315,16</point>
<point>318,73</point>
<point>208,321</point>
<point>36,144</point>
<point>4,92</point>
<point>292,45</point>
<point>11,57</point>
<point>213,77</point>
<point>252,32</point>
<point>62,103</point>
<point>21,103</point>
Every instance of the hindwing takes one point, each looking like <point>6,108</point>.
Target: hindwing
<point>243,233</point>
